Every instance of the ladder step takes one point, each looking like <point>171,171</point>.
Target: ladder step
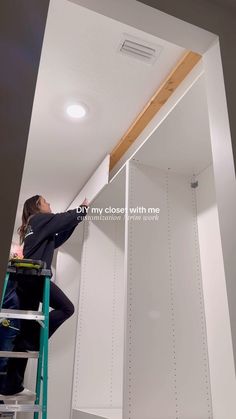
<point>20,408</point>
<point>21,314</point>
<point>26,395</point>
<point>11,354</point>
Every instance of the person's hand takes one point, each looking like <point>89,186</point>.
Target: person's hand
<point>85,202</point>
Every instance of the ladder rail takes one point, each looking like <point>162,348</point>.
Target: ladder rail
<point>4,289</point>
<point>45,347</point>
<point>43,354</point>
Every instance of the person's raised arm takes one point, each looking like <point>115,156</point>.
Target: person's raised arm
<point>49,223</point>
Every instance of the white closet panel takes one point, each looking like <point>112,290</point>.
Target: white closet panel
<point>166,355</point>
<point>215,295</point>
<point>99,346</point>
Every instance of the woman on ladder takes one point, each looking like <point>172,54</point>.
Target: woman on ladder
<point>41,233</point>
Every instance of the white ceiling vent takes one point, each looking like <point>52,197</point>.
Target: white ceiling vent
<point>140,49</point>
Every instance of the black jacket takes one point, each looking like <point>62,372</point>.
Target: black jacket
<point>47,231</point>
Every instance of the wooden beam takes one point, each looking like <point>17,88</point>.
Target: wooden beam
<point>177,75</point>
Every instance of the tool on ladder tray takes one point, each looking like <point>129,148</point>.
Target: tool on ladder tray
<point>23,403</point>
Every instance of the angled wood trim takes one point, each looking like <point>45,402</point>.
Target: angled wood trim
<point>177,75</point>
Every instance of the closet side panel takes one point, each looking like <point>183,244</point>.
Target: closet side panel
<point>191,364</point>
<point>148,389</point>
<point>62,343</point>
<point>220,349</point>
<point>99,344</point>
<point>166,364</point>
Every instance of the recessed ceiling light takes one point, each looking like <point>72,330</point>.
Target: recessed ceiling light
<point>76,111</point>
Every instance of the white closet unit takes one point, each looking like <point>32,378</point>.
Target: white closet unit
<point>153,335</point>
<point>98,377</point>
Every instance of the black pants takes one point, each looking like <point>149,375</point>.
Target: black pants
<point>30,292</point>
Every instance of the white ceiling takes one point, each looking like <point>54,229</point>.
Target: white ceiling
<point>80,62</point>
<point>182,142</point>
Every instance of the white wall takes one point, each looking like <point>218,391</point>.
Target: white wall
<point>224,172</point>
<point>215,296</point>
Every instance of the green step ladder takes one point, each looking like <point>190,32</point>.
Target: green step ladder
<point>23,403</point>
